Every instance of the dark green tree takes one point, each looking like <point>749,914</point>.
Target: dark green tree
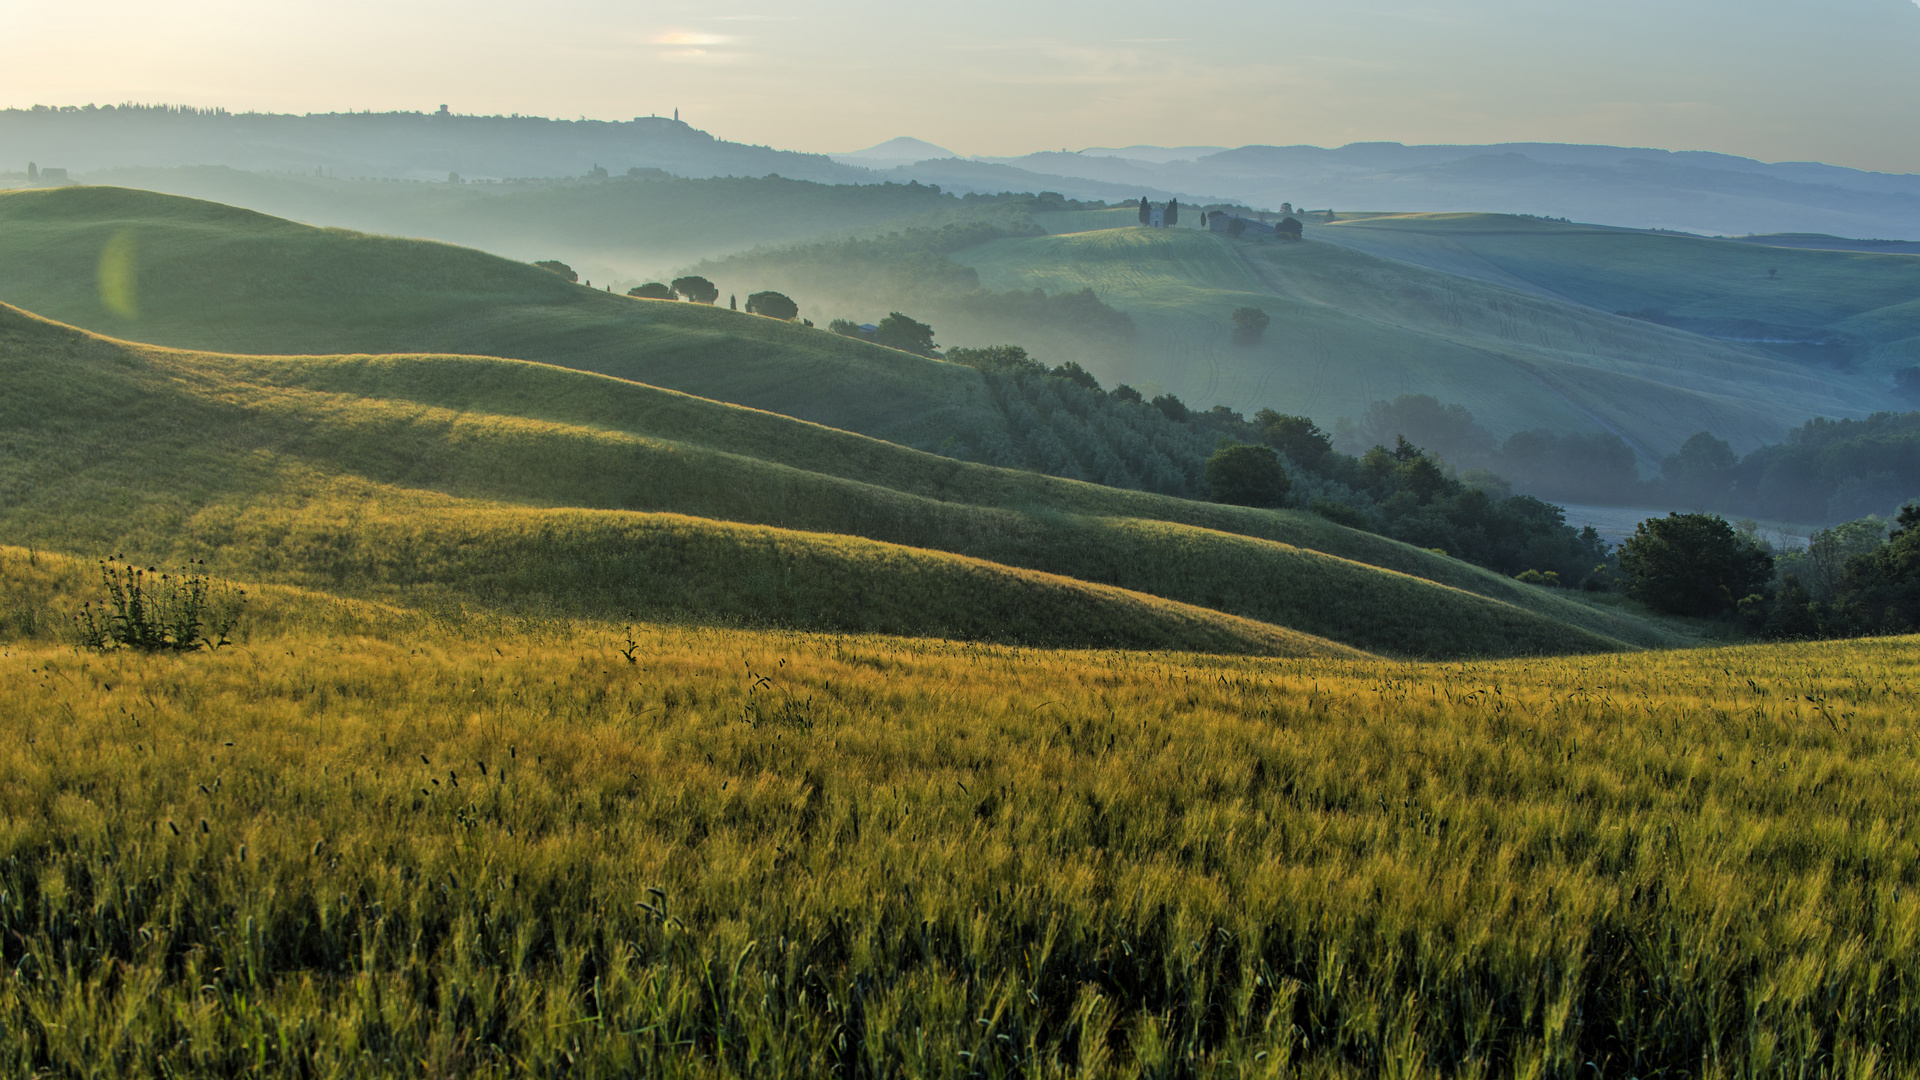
<point>1076,375</point>
<point>1249,323</point>
<point>1146,213</point>
<point>1693,564</point>
<point>1289,229</point>
<point>557,267</point>
<point>1701,469</point>
<point>1123,392</point>
<point>1247,476</point>
<point>696,288</point>
<point>897,331</point>
<point>1173,212</point>
<point>652,290</point>
<point>1298,437</point>
<point>1172,408</point>
<point>844,327</point>
<point>1883,586</point>
<point>773,305</point>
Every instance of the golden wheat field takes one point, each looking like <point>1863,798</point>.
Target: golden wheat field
<point>368,840</point>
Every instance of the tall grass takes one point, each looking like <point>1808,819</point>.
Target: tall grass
<point>364,844</point>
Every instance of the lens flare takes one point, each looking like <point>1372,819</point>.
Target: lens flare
<point>117,273</point>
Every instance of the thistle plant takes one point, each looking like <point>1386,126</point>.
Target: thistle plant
<point>156,611</point>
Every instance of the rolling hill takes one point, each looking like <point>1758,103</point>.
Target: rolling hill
<point>470,479</point>
<point>201,275</point>
<point>1350,326</point>
<point>1855,309</point>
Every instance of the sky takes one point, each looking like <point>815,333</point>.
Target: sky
<point>1835,80</point>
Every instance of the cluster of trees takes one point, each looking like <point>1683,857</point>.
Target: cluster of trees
<point>1853,579</point>
<point>911,269</point>
<point>896,331</point>
<point>699,290</point>
<point>1825,470</point>
<point>1061,421</point>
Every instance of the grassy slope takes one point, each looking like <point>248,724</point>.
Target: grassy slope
<point>218,278</point>
<point>196,438</point>
<point>1815,292</point>
<point>1349,328</point>
<point>364,845</point>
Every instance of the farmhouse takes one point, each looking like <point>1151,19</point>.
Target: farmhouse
<point>1236,226</point>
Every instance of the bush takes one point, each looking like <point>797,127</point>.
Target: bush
<point>897,331</point>
<point>558,267</point>
<point>653,290</point>
<point>157,612</point>
<point>1247,476</point>
<point>1248,324</point>
<point>1550,579</point>
<point>773,305</point>
<point>1693,564</point>
<point>1340,513</point>
<point>844,327</point>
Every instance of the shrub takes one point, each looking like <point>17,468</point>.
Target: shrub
<point>558,267</point>
<point>844,327</point>
<point>773,305</point>
<point>158,612</point>
<point>1248,324</point>
<point>653,290</point>
<point>1340,513</point>
<point>1247,476</point>
<point>1549,578</point>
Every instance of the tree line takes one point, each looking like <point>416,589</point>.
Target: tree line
<point>1856,579</point>
<point>1825,470</point>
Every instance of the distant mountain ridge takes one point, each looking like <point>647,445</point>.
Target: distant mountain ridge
<point>391,145</point>
<point>1689,191</point>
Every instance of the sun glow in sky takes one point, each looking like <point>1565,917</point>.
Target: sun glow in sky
<point>1774,79</point>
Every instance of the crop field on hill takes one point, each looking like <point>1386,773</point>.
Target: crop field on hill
<point>368,840</point>
<point>1349,328</point>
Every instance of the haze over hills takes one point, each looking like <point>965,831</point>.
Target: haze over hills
<point>1631,187</point>
<point>901,151</point>
<point>1350,327</point>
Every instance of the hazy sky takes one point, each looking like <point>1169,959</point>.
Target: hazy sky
<point>1833,80</point>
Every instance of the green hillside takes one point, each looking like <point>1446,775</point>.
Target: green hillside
<point>1349,328</point>
<point>506,481</point>
<point>1861,305</point>
<point>201,275</point>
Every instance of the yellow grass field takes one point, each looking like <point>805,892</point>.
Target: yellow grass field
<point>370,841</point>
